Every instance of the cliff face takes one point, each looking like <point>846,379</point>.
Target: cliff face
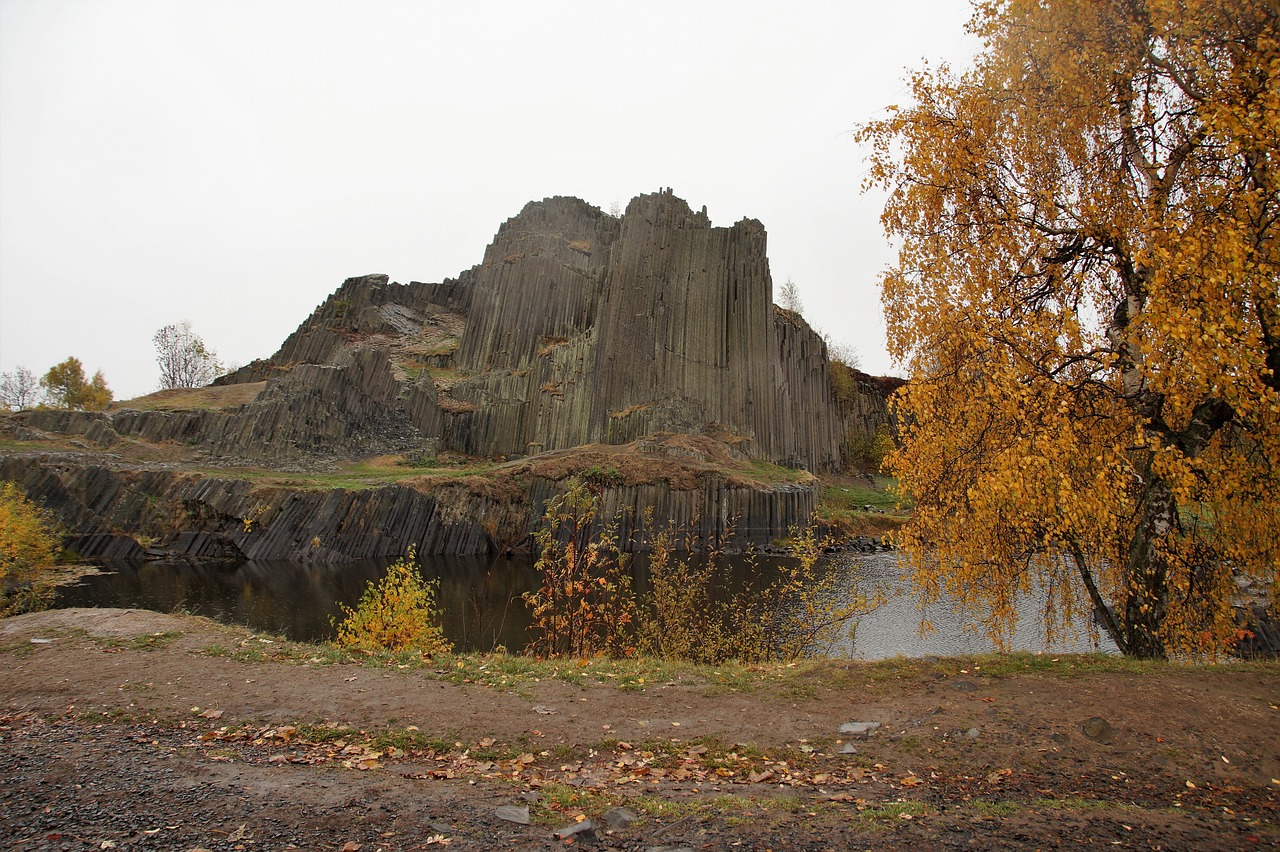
<point>585,328</point>
<point>110,509</point>
<point>577,328</point>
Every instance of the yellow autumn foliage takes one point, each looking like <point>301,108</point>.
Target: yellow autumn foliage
<point>1086,296</point>
<point>29,544</point>
<point>399,613</point>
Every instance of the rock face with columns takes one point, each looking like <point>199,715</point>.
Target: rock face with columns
<point>577,328</point>
<point>647,345</point>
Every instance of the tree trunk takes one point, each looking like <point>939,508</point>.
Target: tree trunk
<point>1147,594</point>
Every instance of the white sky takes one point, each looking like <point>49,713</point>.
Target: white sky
<point>232,162</point>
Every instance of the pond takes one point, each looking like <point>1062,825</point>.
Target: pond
<point>481,598</point>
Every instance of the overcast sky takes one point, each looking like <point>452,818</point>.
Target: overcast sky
<point>231,162</point>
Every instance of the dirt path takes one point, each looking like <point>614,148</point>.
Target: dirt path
<point>133,730</point>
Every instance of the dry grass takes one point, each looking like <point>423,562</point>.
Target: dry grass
<point>194,399</point>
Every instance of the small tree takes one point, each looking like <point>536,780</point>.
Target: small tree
<point>842,361</point>
<point>185,361</point>
<point>65,387</point>
<point>585,605</point>
<point>789,297</point>
<point>19,389</point>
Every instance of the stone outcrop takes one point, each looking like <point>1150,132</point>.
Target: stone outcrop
<point>579,327</point>
<point>576,328</point>
<point>184,515</point>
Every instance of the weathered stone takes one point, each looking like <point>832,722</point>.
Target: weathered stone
<point>618,818</point>
<point>578,829</point>
<point>1097,729</point>
<point>860,729</point>
<point>513,813</point>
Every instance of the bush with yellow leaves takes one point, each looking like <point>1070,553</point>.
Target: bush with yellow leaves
<point>400,613</point>
<point>29,546</point>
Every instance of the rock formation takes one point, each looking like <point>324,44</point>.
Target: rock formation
<point>576,328</point>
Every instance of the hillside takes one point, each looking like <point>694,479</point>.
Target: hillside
<point>644,352</point>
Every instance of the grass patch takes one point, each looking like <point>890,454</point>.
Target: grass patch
<point>843,503</point>
<point>1073,804</point>
<point>153,641</point>
<point>767,473</point>
<point>890,813</point>
<point>858,494</point>
<point>995,809</point>
<point>355,476</point>
<point>410,739</point>
<point>559,803</point>
<point>194,399</point>
<point>804,680</point>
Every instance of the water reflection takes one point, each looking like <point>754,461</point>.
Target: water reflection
<point>894,628</point>
<point>481,598</point>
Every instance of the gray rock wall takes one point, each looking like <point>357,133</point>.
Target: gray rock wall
<point>199,517</point>
<point>579,328</point>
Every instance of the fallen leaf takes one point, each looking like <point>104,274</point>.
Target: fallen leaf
<point>212,714</point>
<point>998,776</point>
<point>352,846</point>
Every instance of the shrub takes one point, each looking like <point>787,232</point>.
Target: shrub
<point>398,614</point>
<point>689,615</point>
<point>867,452</point>
<point>29,546</point>
<point>585,604</point>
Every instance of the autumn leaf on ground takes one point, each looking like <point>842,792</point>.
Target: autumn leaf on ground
<point>998,776</point>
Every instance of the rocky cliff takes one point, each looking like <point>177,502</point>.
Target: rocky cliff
<point>576,328</point>
<point>117,511</point>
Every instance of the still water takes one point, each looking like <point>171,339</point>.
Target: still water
<point>481,598</point>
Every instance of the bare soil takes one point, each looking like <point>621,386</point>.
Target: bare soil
<point>124,729</point>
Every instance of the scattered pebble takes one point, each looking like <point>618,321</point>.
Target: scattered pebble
<point>1097,729</point>
<point>580,828</point>
<point>513,813</point>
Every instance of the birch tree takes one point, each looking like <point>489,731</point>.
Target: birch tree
<point>1086,296</point>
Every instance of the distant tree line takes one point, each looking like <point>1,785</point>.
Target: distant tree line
<point>64,386</point>
<point>184,360</point>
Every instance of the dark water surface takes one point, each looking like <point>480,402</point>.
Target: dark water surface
<point>481,598</point>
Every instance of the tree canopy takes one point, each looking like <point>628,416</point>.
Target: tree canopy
<point>1086,298</point>
<point>19,389</point>
<point>184,359</point>
<point>65,386</point>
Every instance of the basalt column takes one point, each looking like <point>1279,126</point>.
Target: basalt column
<point>685,328</point>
